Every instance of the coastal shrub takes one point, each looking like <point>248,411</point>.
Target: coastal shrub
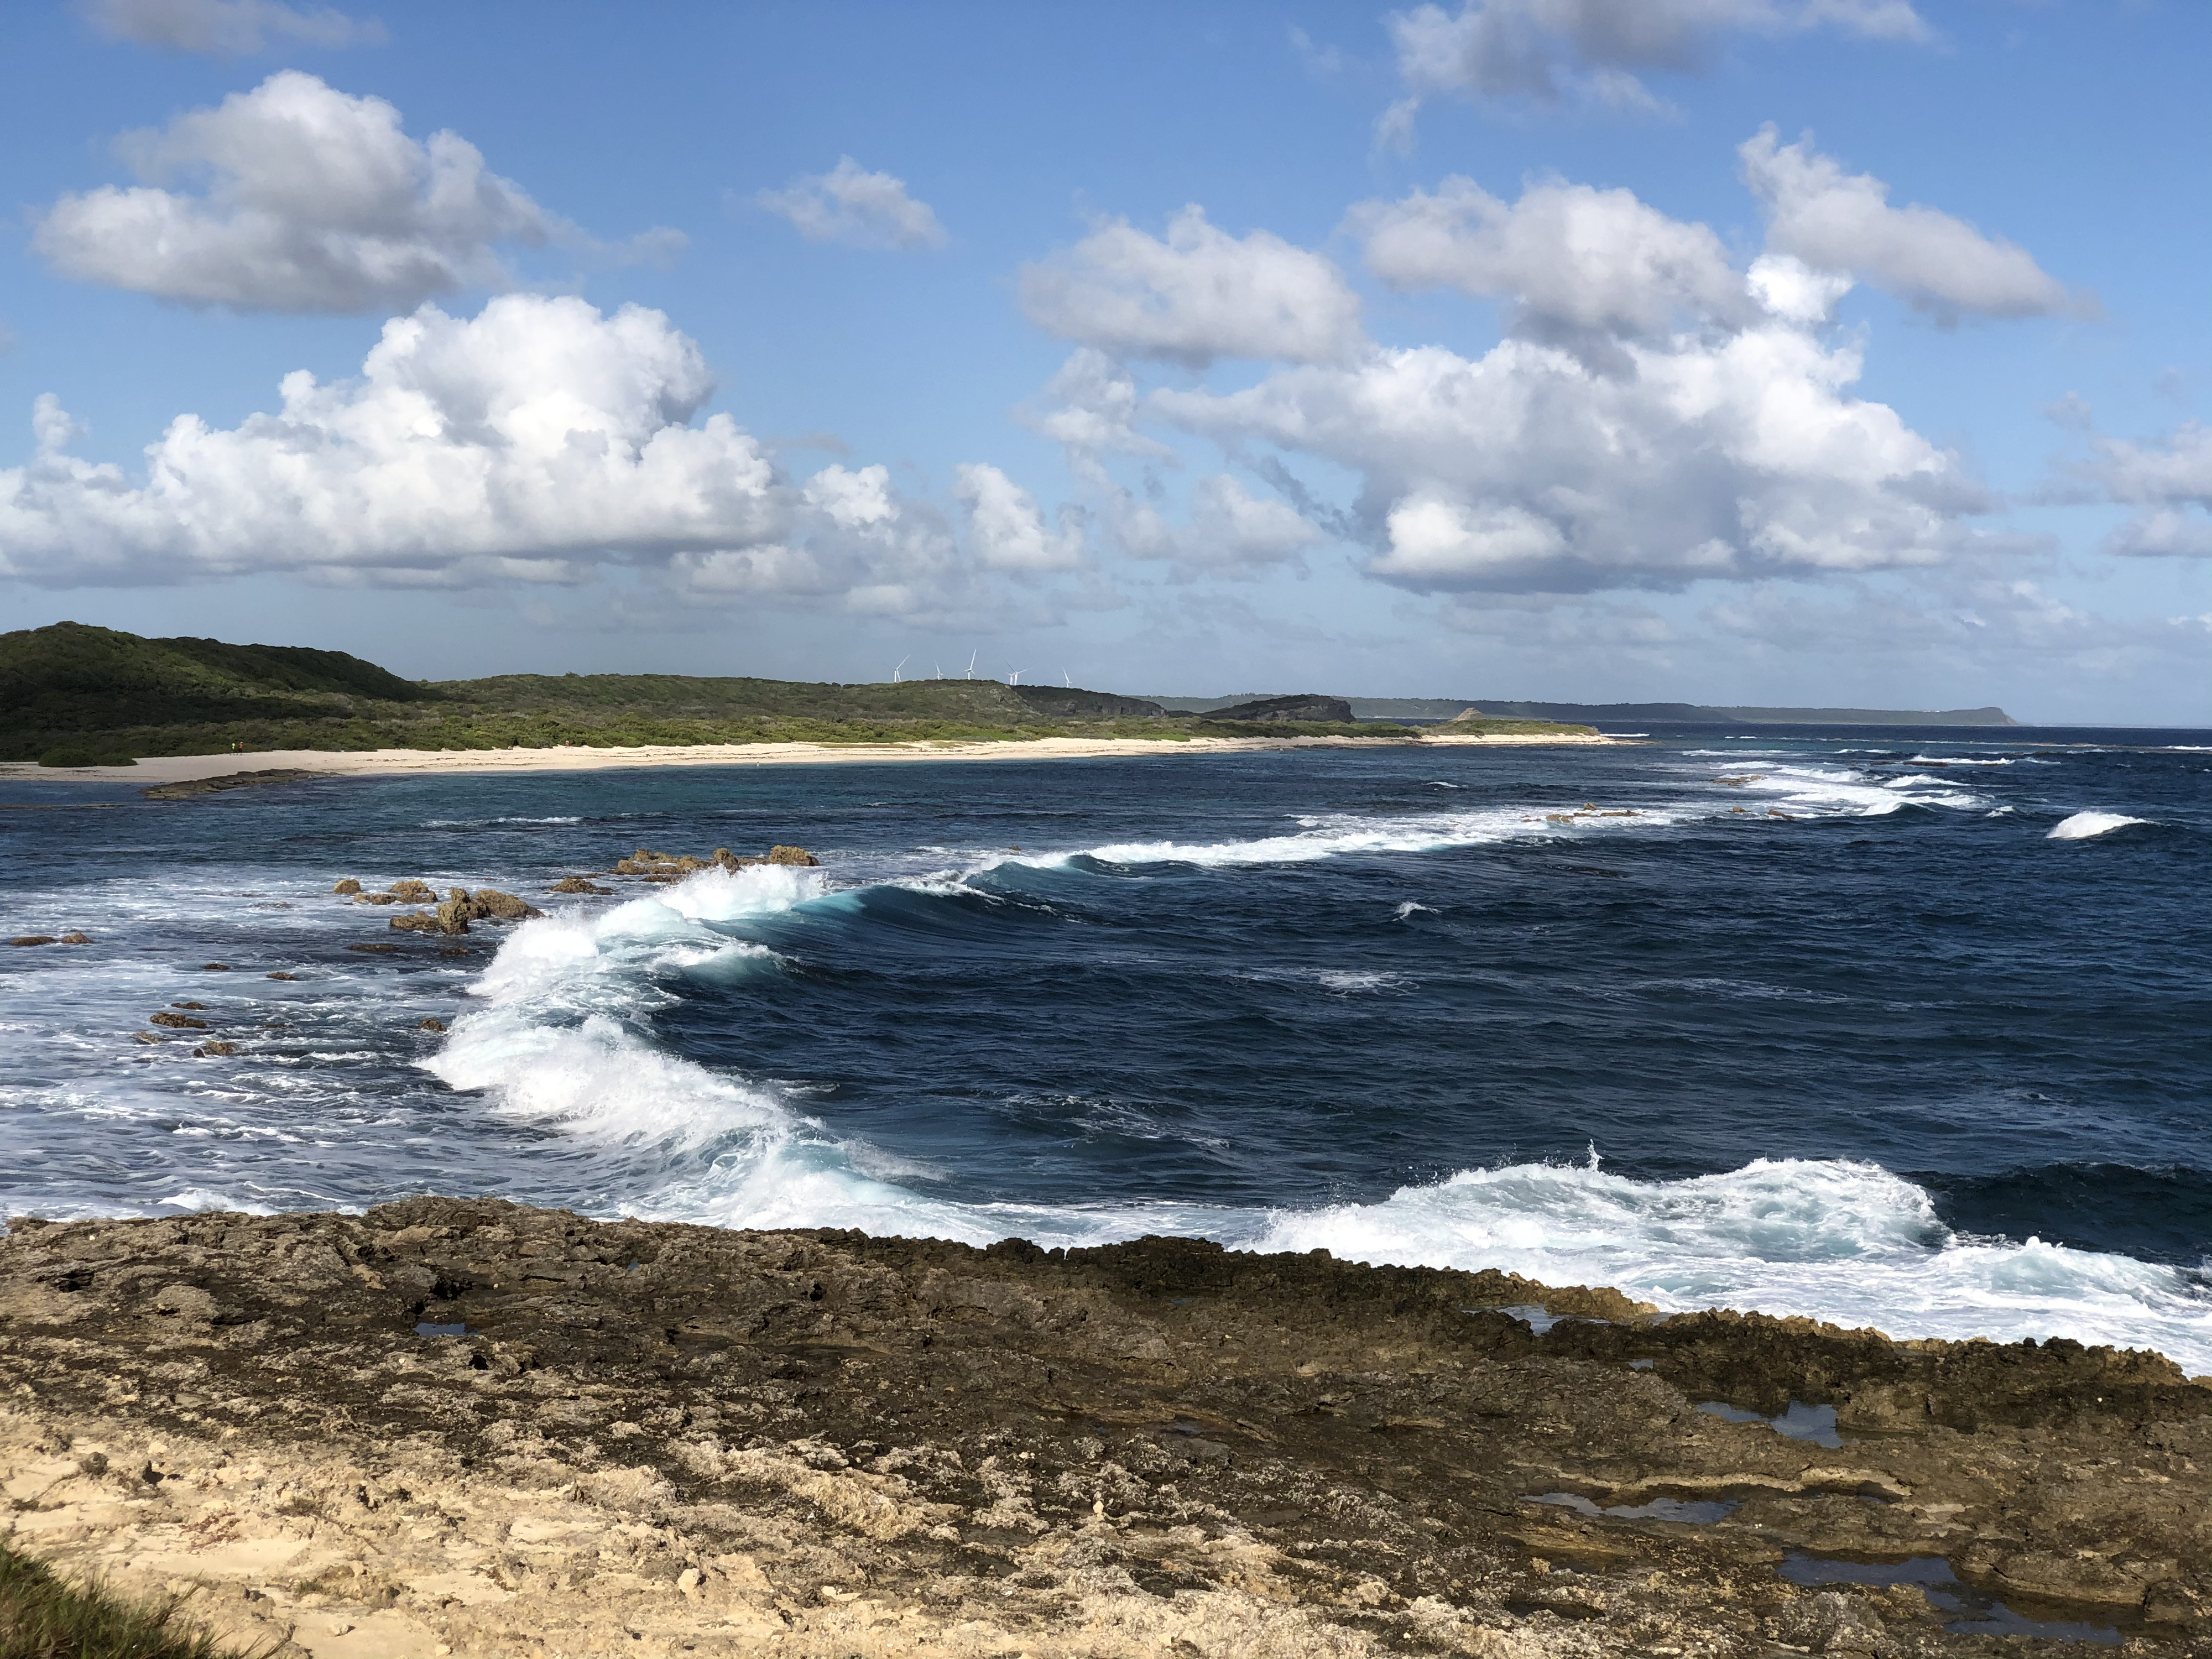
<point>43,1618</point>
<point>86,754</point>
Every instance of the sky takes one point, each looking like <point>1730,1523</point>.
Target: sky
<point>1797,352</point>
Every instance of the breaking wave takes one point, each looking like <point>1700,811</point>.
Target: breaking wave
<point>2086,826</point>
<point>562,1039</point>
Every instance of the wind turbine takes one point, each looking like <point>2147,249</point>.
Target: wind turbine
<point>903,662</point>
<point>972,655</point>
<point>1013,674</point>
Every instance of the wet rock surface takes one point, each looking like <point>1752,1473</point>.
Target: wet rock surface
<point>502,1430</point>
<point>191,788</point>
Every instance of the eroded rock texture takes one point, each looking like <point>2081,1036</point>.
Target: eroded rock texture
<point>467,1427</point>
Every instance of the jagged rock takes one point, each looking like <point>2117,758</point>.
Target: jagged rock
<point>453,916</point>
<point>35,938</point>
<point>663,867</point>
<point>178,1022</point>
<point>620,1437</point>
<point>433,1024</point>
<point>505,907</point>
<point>74,938</point>
<point>382,898</point>
<point>215,1048</point>
<point>408,890</point>
<point>578,884</point>
<point>421,921</point>
<point>348,886</point>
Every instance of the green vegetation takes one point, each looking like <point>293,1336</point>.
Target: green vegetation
<point>72,695</point>
<point>43,1618</point>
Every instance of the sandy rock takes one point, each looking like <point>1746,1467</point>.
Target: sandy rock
<point>504,906</point>
<point>578,884</point>
<point>659,1439</point>
<point>35,938</point>
<point>453,916</point>
<point>74,938</point>
<point>418,921</point>
<point>408,890</point>
<point>797,855</point>
<point>348,886</point>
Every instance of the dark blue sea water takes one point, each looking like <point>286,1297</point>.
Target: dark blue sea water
<point>1890,1027</point>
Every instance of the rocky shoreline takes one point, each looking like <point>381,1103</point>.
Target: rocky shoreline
<point>465,1427</point>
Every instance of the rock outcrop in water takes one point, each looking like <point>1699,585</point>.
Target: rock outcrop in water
<point>670,866</point>
<point>507,1431</point>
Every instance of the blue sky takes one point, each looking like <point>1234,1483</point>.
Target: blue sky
<point>1485,349</point>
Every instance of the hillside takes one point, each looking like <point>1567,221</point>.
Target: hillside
<point>73,694</point>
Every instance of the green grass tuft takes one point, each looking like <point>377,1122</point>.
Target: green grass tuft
<point>42,1617</point>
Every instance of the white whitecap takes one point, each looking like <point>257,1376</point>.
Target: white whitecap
<point>2084,826</point>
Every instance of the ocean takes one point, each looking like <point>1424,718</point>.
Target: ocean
<point>1900,1027</point>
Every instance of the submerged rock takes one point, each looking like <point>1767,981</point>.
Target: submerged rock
<point>578,884</point>
<point>35,938</point>
<point>178,1022</point>
<point>214,1050</point>
<point>433,1024</point>
<point>74,938</point>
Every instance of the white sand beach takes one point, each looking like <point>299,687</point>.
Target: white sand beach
<point>181,768</point>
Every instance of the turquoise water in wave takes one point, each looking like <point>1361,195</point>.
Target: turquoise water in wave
<point>1891,1028</point>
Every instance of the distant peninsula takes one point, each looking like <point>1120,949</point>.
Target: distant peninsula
<point>1616,713</point>
<point>72,695</point>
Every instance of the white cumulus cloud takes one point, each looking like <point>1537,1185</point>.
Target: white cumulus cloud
<point>1526,470</point>
<point>1010,532</point>
<point>1842,222</point>
<point>1571,259</point>
<point>1199,294</point>
<point>2172,480</point>
<point>230,29</point>
<point>850,204</point>
<point>309,200</point>
<point>538,437</point>
<point>1597,51</point>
